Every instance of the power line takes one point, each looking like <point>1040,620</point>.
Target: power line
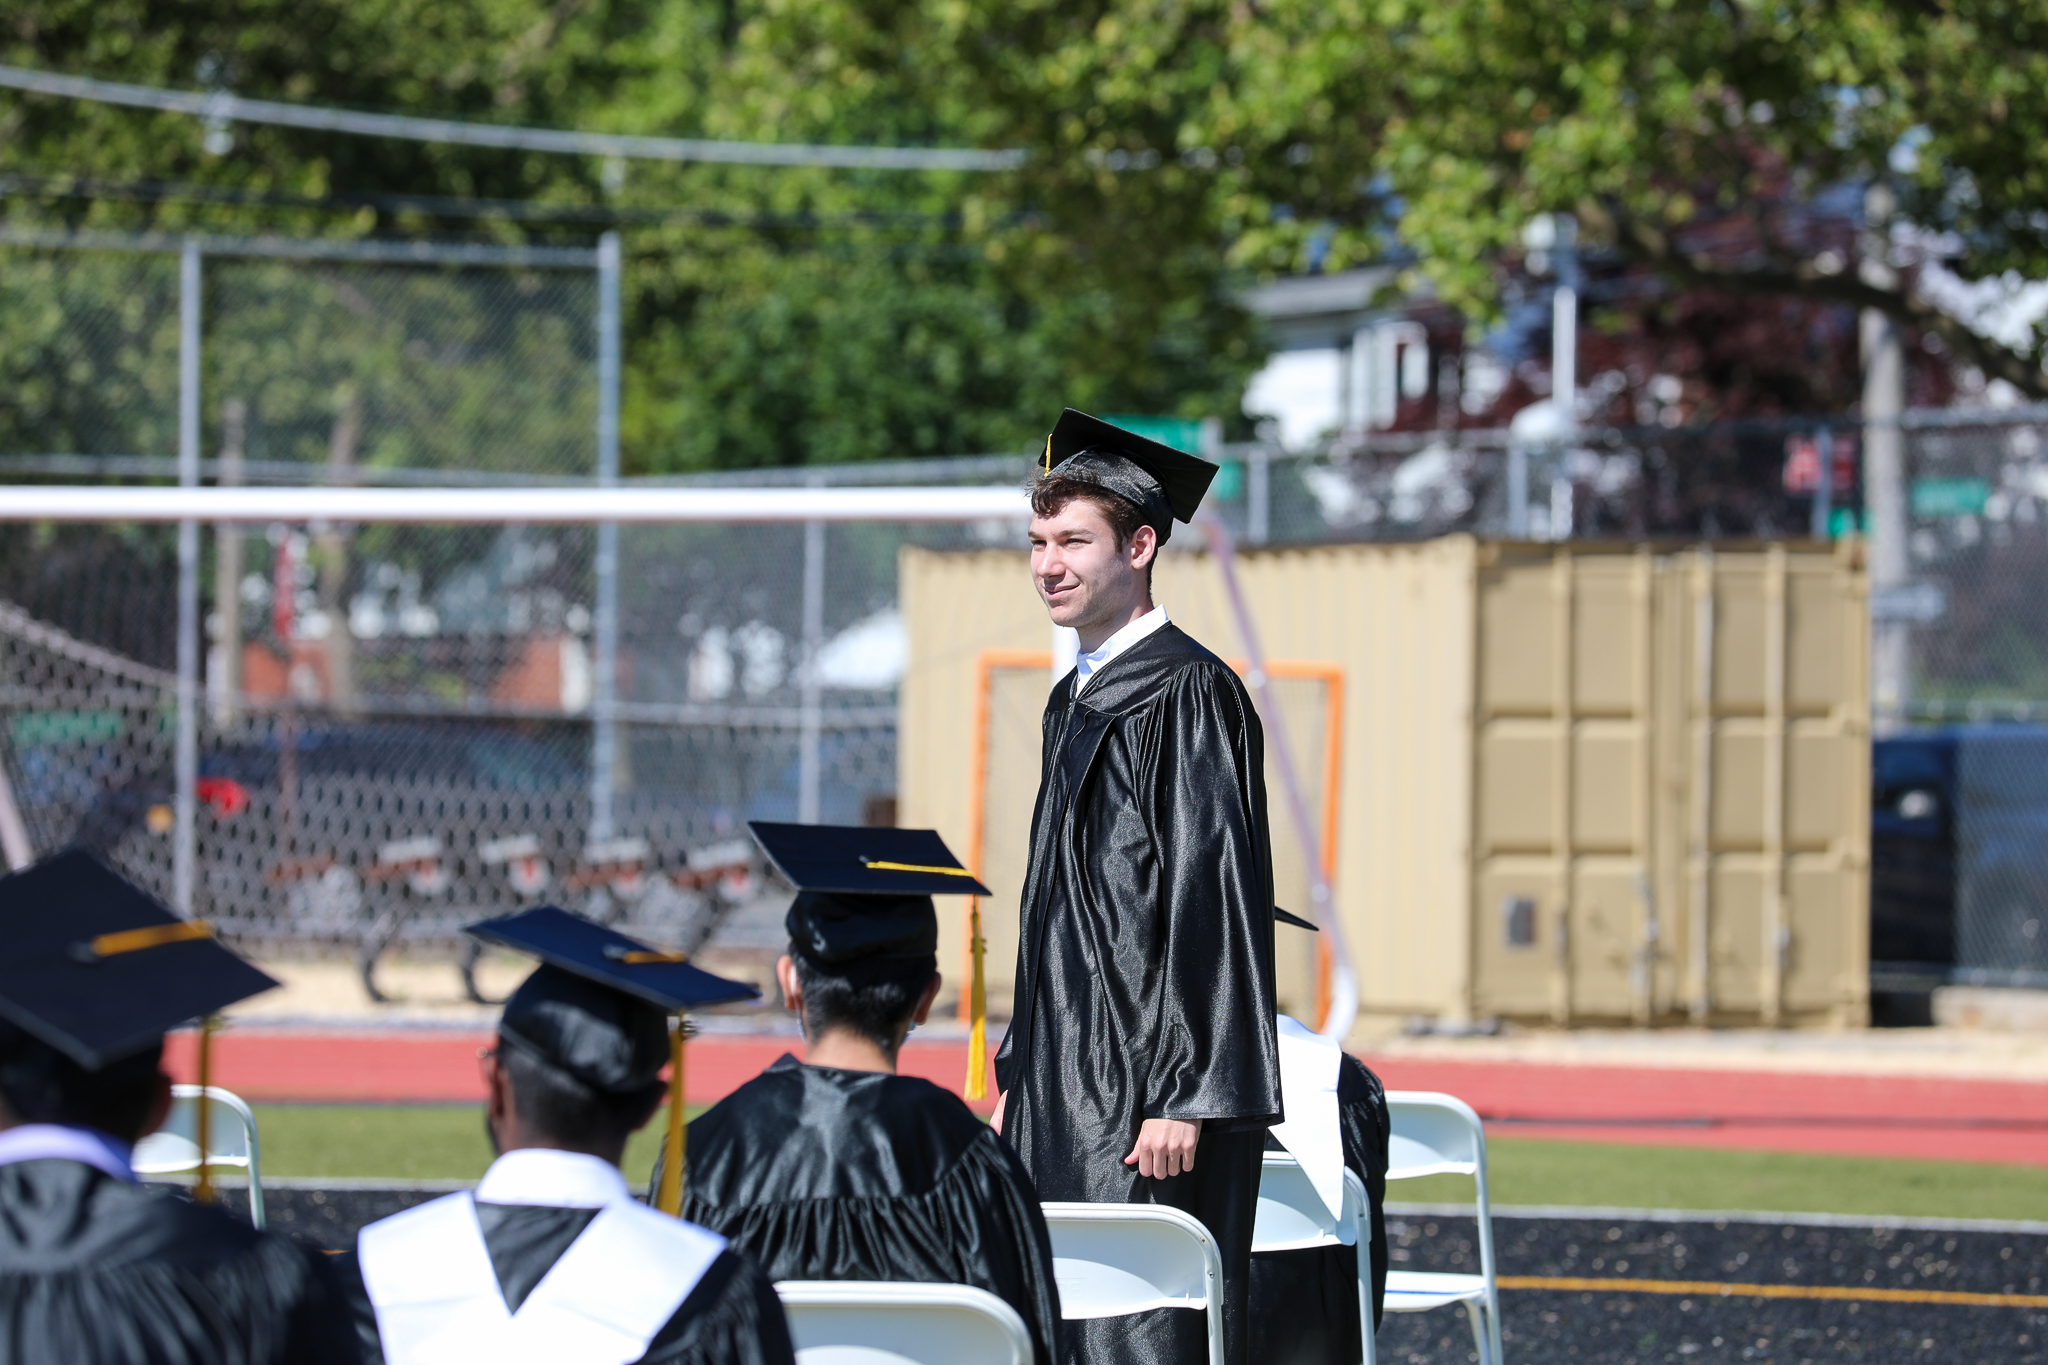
<point>445,206</point>
<point>221,106</point>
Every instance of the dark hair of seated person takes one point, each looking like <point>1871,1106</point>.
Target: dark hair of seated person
<point>39,1084</point>
<point>570,1111</point>
<point>871,999</point>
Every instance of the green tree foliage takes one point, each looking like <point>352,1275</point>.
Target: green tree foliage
<point>774,316</point>
<point>1692,137</point>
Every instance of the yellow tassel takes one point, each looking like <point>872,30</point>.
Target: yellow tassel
<point>977,1006</point>
<point>1048,453</point>
<point>202,1188</point>
<point>669,1198</point>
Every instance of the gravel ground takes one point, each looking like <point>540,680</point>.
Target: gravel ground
<point>1586,1328</point>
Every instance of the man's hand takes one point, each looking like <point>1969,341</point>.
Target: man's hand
<point>1166,1147</point>
<point>995,1120</point>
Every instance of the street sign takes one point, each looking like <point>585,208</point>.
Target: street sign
<point>1177,432</point>
<point>1950,497</point>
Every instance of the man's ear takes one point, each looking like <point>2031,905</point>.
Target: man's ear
<point>1144,547</point>
<point>792,990</point>
<point>924,1003</point>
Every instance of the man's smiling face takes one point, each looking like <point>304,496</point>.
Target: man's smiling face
<point>1083,577</point>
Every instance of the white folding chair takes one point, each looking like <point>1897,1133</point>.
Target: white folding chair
<point>1435,1134</point>
<point>1292,1217</point>
<point>1113,1259</point>
<point>231,1137</point>
<point>870,1322</point>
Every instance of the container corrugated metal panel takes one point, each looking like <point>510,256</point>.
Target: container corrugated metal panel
<point>1573,783</point>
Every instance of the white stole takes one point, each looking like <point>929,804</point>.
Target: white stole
<point>1309,1067</point>
<point>437,1298</point>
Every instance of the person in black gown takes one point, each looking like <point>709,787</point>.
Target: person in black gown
<point>836,1167</point>
<point>94,1268</point>
<point>1304,1303</point>
<point>552,1258</point>
<point>1140,1066</point>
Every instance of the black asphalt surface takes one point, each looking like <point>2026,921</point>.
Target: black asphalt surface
<point>1607,1328</point>
<point>1543,1326</point>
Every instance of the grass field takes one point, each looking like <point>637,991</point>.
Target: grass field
<point>417,1142</point>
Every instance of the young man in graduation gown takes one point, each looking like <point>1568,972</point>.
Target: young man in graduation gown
<point>552,1259</point>
<point>93,1267</point>
<point>1140,1064</point>
<point>1304,1302</point>
<point>836,1167</point>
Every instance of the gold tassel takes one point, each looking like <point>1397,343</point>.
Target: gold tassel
<point>977,1007</point>
<point>1048,452</point>
<point>669,1198</point>
<point>202,1188</point>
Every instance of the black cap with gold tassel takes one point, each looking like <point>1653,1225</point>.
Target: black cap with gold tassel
<point>608,1010</point>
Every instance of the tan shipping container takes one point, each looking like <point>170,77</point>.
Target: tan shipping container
<point>1576,784</point>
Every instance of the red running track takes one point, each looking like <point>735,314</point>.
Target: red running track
<point>1850,1115</point>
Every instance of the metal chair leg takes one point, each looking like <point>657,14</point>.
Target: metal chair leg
<point>1477,1314</point>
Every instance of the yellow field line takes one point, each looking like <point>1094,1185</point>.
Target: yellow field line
<point>1712,1288</point>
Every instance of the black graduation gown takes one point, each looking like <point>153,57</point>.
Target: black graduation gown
<point>822,1174</point>
<point>731,1316</point>
<point>1305,1303</point>
<point>98,1271</point>
<point>1145,963</point>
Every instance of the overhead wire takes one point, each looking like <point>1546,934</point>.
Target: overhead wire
<point>220,106</point>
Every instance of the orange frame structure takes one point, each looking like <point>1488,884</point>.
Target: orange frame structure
<point>1330,675</point>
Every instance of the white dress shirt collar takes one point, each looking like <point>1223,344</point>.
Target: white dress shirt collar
<point>552,1179</point>
<point>61,1142</point>
<point>1088,664</point>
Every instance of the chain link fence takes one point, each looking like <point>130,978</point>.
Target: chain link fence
<point>406,727</point>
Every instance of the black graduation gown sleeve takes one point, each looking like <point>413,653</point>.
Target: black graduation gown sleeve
<point>731,1316</point>
<point>93,1269</point>
<point>820,1174</point>
<point>1304,1304</point>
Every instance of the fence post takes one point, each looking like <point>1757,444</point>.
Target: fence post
<point>1258,494</point>
<point>604,669</point>
<point>808,758</point>
<point>1824,491</point>
<point>185,761</point>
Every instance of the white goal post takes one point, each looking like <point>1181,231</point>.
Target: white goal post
<point>557,505</point>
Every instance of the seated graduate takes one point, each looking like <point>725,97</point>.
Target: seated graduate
<point>93,1266</point>
<point>1304,1303</point>
<point>552,1259</point>
<point>837,1168</point>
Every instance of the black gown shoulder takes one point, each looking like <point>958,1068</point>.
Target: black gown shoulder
<point>94,1269</point>
<point>731,1316</point>
<point>821,1174</point>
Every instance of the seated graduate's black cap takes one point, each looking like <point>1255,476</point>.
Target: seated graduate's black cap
<point>1288,917</point>
<point>865,860</point>
<point>1167,484</point>
<point>864,893</point>
<point>598,1006</point>
<point>99,969</point>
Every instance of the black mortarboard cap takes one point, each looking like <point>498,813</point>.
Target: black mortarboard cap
<point>1289,917</point>
<point>99,969</point>
<point>836,930</point>
<point>598,1006</point>
<point>1166,484</point>
<point>865,860</point>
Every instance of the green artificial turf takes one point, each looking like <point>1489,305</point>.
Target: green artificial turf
<point>400,1141</point>
<point>431,1141</point>
<point>1533,1171</point>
